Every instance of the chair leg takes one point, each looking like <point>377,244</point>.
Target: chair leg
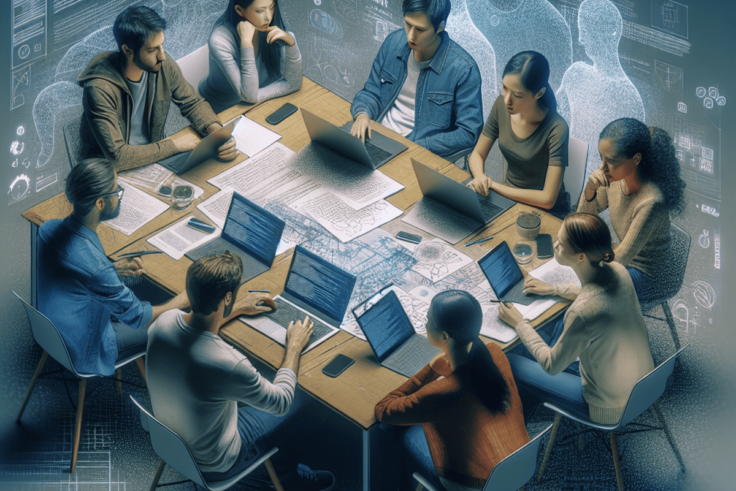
<point>272,474</point>
<point>78,423</point>
<point>668,434</point>
<point>617,462</point>
<point>551,442</point>
<point>141,364</point>
<point>36,374</point>
<point>419,487</point>
<point>157,476</point>
<point>671,323</point>
<point>118,383</point>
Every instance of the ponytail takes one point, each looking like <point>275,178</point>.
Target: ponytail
<point>549,99</point>
<point>484,379</point>
<point>589,234</point>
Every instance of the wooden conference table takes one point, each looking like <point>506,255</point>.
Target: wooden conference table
<point>354,393</point>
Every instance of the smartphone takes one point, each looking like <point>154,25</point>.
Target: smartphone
<point>337,365</point>
<point>407,237</point>
<point>281,113</point>
<point>544,246</point>
<point>201,226</point>
<point>165,191</point>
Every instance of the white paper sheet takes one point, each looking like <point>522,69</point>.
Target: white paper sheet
<point>136,209</point>
<point>251,138</point>
<point>437,259</point>
<point>149,176</point>
<point>179,239</point>
<point>553,273</point>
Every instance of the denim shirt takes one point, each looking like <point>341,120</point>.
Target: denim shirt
<point>79,289</point>
<point>448,113</point>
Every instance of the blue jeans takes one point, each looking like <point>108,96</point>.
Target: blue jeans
<point>403,450</point>
<point>646,288</point>
<point>129,341</point>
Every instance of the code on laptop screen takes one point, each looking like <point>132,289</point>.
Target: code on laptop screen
<point>254,229</point>
<point>501,269</point>
<point>386,325</point>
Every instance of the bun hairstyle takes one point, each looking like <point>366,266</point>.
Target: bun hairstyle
<point>459,314</point>
<point>87,181</point>
<point>533,70</point>
<point>658,164</point>
<point>589,234</point>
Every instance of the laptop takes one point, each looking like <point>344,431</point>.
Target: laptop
<point>450,210</point>
<point>250,232</point>
<point>504,275</point>
<point>314,288</point>
<point>392,338</point>
<point>205,150</point>
<point>373,154</point>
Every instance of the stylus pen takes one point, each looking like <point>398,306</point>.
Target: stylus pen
<point>478,241</point>
<point>138,253</point>
<point>259,291</point>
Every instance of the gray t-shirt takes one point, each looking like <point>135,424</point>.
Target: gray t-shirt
<point>400,117</point>
<point>139,133</point>
<point>195,380</point>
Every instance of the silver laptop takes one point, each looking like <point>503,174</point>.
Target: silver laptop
<point>314,288</point>
<point>373,154</point>
<point>504,275</point>
<point>450,210</point>
<point>205,150</point>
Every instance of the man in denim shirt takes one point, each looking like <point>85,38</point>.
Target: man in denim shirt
<point>423,85</point>
<point>78,287</point>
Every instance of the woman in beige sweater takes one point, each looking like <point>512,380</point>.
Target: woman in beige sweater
<point>639,183</point>
<point>604,327</point>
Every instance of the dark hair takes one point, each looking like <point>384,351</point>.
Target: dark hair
<point>210,278</point>
<point>87,181</point>
<point>459,314</point>
<point>533,70</point>
<point>271,52</point>
<point>134,25</point>
<point>590,235</point>
<point>658,161</point>
<point>437,10</point>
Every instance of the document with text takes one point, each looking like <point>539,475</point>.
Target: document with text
<point>136,210</point>
<point>180,238</point>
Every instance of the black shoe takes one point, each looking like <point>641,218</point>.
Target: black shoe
<point>305,479</point>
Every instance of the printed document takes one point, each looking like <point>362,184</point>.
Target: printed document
<point>136,210</point>
<point>180,238</point>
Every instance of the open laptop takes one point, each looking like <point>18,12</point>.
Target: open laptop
<point>250,232</point>
<point>392,338</point>
<point>450,210</point>
<point>373,154</point>
<point>205,150</point>
<point>504,275</point>
<point>314,288</point>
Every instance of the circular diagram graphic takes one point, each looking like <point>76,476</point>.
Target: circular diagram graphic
<point>20,131</point>
<point>704,294</point>
<point>19,187</point>
<point>24,51</point>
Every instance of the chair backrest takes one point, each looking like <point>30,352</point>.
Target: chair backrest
<point>577,160</point>
<point>648,389</point>
<point>674,274</point>
<point>170,447</point>
<point>48,337</point>
<point>516,469</point>
<point>73,138</point>
<point>195,66</point>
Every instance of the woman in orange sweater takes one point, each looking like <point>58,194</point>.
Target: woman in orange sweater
<point>462,409</point>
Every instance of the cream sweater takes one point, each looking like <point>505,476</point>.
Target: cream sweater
<point>605,328</point>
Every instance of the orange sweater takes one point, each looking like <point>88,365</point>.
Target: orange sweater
<point>466,441</point>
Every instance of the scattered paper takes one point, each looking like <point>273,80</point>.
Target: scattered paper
<point>441,221</point>
<point>179,239</point>
<point>553,273</point>
<point>149,176</point>
<point>437,259</point>
<point>493,327</point>
<point>136,209</point>
<point>251,138</point>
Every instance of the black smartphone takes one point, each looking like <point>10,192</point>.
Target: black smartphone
<point>544,246</point>
<point>338,365</point>
<point>407,237</point>
<point>165,191</point>
<point>281,113</point>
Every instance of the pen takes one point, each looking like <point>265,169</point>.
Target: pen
<point>138,253</point>
<point>478,241</point>
<point>259,291</point>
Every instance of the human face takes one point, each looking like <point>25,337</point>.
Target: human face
<point>564,253</point>
<point>112,203</point>
<point>151,54</point>
<point>259,13</point>
<point>616,167</point>
<point>420,33</point>
<point>516,98</point>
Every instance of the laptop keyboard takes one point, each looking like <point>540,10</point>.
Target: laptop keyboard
<point>412,356</point>
<point>377,154</point>
<point>176,162</point>
<point>490,211</point>
<point>286,313</point>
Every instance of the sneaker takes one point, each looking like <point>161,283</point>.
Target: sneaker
<point>305,479</point>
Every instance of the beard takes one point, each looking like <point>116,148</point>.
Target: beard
<point>108,213</point>
<point>150,69</point>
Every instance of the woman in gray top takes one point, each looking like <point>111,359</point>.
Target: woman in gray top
<point>247,64</point>
<point>532,137</point>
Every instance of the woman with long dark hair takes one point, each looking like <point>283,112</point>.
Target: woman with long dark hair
<point>639,183</point>
<point>252,57</point>
<point>532,136</point>
<point>472,418</point>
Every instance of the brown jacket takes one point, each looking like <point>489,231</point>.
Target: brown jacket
<point>108,107</point>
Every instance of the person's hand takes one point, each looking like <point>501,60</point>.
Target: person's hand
<point>255,303</point>
<point>275,33</point>
<point>481,184</point>
<point>509,314</point>
<point>132,266</point>
<point>227,150</point>
<point>441,365</point>
<point>597,179</point>
<point>537,287</point>
<point>298,334</point>
<point>187,142</point>
<point>246,31</point>
<point>361,126</point>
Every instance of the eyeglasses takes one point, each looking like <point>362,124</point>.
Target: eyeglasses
<point>119,191</point>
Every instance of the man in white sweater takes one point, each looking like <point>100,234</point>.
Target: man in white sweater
<point>197,381</point>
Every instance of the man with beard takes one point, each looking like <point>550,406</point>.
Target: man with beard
<point>128,93</point>
<point>79,289</point>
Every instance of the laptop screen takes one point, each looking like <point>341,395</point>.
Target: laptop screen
<point>501,269</point>
<point>322,286</point>
<point>386,325</point>
<point>253,229</point>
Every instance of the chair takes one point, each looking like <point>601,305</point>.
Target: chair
<point>510,474</point>
<point>73,139</point>
<point>461,154</point>
<point>48,337</point>
<point>644,396</point>
<point>174,451</point>
<point>195,66</point>
<point>577,160</point>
